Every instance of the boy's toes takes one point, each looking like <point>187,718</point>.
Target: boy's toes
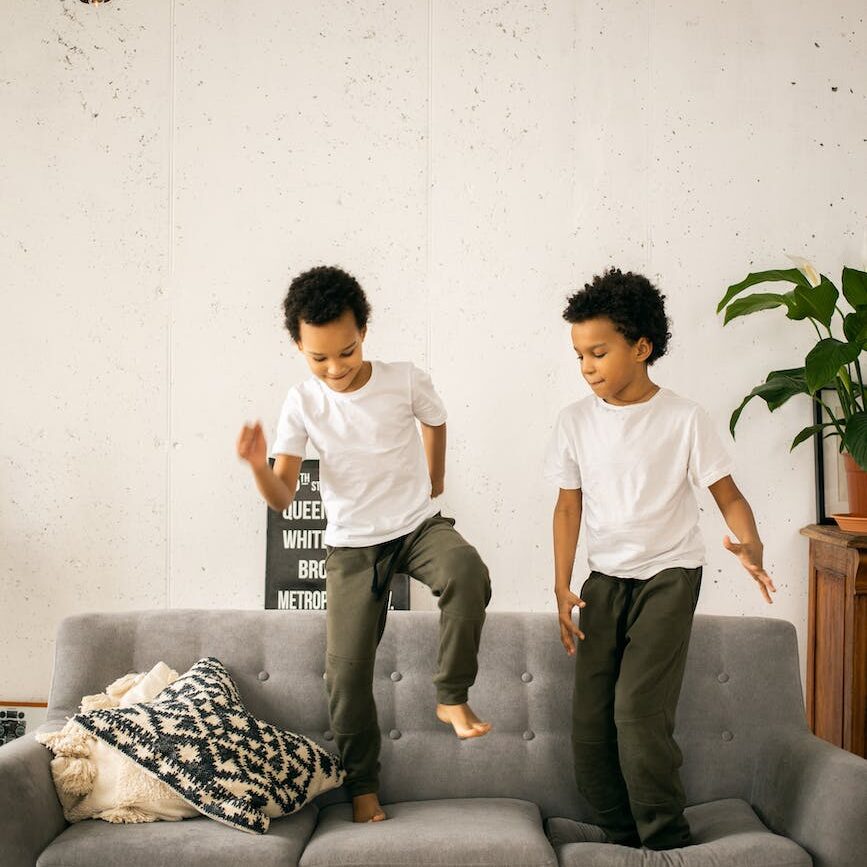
<point>481,728</point>
<point>464,722</point>
<point>474,730</point>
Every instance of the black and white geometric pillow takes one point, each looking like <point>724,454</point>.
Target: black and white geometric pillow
<point>199,739</point>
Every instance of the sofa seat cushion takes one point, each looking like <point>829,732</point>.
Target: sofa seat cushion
<point>727,833</point>
<point>459,832</point>
<point>195,842</point>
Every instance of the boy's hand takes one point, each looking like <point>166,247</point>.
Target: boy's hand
<point>251,446</point>
<point>750,555</point>
<point>437,486</point>
<point>566,602</point>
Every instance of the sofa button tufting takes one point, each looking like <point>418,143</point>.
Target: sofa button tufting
<point>526,677</point>
<point>727,736</point>
<point>394,734</point>
<point>325,675</point>
<point>329,735</point>
<point>263,675</point>
<point>722,678</point>
<point>396,676</point>
<point>529,735</point>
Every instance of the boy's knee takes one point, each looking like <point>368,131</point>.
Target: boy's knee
<point>348,676</point>
<point>632,710</point>
<point>349,684</point>
<point>467,577</point>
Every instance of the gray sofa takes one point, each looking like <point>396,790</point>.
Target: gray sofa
<point>762,789</point>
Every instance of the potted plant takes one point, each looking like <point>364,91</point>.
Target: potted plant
<point>833,363</point>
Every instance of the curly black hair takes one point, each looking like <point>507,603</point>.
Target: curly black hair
<point>630,301</point>
<point>321,295</point>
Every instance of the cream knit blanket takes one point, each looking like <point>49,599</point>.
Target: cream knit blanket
<point>95,781</point>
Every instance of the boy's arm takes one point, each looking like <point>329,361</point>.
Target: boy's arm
<point>434,439</point>
<point>277,486</point>
<point>567,525</point>
<point>739,517</point>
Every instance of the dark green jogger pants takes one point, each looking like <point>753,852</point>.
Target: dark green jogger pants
<point>438,556</point>
<point>628,673</point>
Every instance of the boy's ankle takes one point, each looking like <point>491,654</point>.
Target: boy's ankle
<point>453,699</point>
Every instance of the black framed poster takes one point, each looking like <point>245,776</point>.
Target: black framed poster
<point>295,552</point>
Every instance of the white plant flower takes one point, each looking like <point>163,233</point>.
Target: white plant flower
<point>805,266</point>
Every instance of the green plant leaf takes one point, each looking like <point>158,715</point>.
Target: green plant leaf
<point>855,440</point>
<point>855,327</point>
<point>819,301</point>
<point>854,287</point>
<point>808,432</point>
<point>825,359</point>
<point>788,383</point>
<point>788,275</point>
<point>779,386</point>
<point>795,306</point>
<point>761,301</point>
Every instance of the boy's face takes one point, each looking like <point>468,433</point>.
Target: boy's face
<point>609,362</point>
<point>333,350</point>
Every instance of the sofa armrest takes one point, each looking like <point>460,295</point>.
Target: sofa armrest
<point>816,794</point>
<point>30,813</point>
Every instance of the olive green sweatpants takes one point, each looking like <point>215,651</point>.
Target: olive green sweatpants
<point>628,673</point>
<point>357,585</point>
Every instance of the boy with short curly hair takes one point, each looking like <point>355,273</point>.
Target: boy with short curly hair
<point>379,484</point>
<point>626,459</point>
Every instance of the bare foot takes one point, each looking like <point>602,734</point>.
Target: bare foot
<point>366,808</point>
<point>465,723</point>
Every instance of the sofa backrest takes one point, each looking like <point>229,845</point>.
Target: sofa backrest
<point>742,682</point>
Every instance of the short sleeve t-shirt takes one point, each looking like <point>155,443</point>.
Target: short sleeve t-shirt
<point>373,470</point>
<point>636,466</point>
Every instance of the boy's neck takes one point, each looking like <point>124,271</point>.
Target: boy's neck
<point>640,390</point>
<point>361,378</point>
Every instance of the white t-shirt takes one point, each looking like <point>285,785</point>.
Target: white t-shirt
<point>635,466</point>
<point>373,470</point>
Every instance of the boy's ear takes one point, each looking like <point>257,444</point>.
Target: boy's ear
<point>298,346</point>
<point>363,332</point>
<point>643,349</point>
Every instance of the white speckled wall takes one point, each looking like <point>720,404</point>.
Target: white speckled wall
<point>85,96</point>
<point>168,166</point>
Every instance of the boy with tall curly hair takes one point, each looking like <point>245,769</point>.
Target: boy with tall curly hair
<point>626,459</point>
<point>380,481</point>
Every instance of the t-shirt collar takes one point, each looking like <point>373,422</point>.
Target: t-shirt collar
<point>628,407</point>
<point>349,395</point>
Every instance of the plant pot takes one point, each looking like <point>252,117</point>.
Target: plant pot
<point>856,484</point>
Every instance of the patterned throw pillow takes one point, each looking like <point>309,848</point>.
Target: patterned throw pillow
<point>198,738</point>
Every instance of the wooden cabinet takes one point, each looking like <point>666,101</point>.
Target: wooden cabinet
<point>837,637</point>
